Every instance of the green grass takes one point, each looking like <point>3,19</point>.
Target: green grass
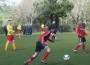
<point>63,45</point>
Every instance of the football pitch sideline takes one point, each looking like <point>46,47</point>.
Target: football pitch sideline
<point>64,44</point>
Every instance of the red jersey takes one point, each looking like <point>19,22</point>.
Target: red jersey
<point>44,37</point>
<point>80,30</point>
<point>83,33</point>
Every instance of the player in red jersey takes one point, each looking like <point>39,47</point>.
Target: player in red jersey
<point>80,30</point>
<point>41,44</point>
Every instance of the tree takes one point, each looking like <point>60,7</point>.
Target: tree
<point>53,9</point>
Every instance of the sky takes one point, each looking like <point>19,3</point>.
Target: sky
<point>14,1</point>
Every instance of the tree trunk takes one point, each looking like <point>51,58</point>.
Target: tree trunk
<point>57,21</point>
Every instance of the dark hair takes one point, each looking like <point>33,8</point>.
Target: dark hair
<point>50,27</point>
<point>9,20</point>
<point>83,24</point>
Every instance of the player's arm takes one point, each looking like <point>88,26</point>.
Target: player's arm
<point>50,40</point>
<point>85,33</point>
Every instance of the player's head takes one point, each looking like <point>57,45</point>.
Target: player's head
<point>51,28</point>
<point>53,22</point>
<point>83,25</point>
<point>79,22</point>
<point>9,21</point>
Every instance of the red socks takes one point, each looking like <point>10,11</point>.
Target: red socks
<point>77,46</point>
<point>29,59</point>
<point>45,56</point>
<point>83,48</point>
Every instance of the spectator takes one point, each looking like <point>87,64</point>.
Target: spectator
<point>61,28</point>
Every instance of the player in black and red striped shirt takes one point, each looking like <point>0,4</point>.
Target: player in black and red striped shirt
<point>41,44</point>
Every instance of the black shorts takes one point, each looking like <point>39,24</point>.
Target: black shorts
<point>82,39</point>
<point>39,46</point>
<point>54,31</point>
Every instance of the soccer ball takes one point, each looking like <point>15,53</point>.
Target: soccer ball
<point>66,57</point>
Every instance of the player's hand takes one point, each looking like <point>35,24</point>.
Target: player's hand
<point>50,40</point>
<point>13,31</point>
<point>52,34</point>
<point>86,34</point>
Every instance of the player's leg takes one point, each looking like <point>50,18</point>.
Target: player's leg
<point>8,41</point>
<point>83,48</point>
<point>13,43</point>
<point>6,45</point>
<point>45,54</point>
<point>78,45</point>
<point>83,45</point>
<point>19,33</point>
<point>31,58</point>
<point>39,47</point>
<point>53,37</point>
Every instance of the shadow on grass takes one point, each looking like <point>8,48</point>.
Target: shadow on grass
<point>60,63</point>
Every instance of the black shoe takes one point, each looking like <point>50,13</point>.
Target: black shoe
<point>43,62</point>
<point>25,63</point>
<point>84,52</point>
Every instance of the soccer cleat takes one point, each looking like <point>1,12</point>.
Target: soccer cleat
<point>84,52</point>
<point>25,63</point>
<point>74,51</point>
<point>43,62</point>
<point>6,50</point>
<point>14,50</point>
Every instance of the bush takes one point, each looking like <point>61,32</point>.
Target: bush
<point>1,30</point>
<point>66,28</point>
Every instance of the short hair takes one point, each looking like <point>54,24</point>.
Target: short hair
<point>50,27</point>
<point>83,24</point>
<point>9,20</point>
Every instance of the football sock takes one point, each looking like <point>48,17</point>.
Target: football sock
<point>6,46</point>
<point>14,46</point>
<point>45,56</point>
<point>53,38</point>
<point>83,48</point>
<point>77,46</point>
<point>29,59</point>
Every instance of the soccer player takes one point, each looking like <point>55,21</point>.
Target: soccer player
<point>80,30</point>
<point>55,30</point>
<point>19,30</point>
<point>42,28</point>
<point>10,36</point>
<point>41,44</point>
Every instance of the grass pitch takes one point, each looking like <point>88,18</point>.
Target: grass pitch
<point>64,44</point>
